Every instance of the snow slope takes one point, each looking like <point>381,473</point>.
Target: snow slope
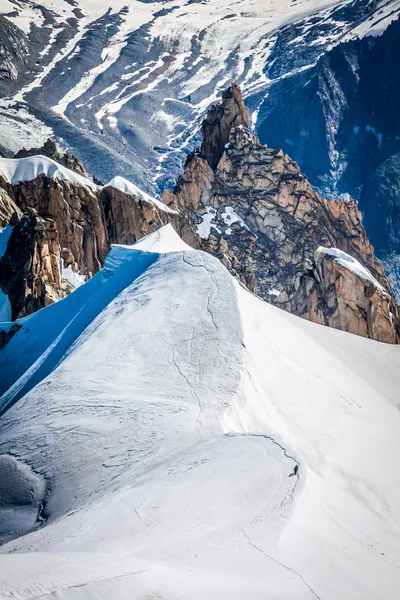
<point>130,82</point>
<point>167,433</point>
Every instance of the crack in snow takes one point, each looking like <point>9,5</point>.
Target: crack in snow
<point>290,569</point>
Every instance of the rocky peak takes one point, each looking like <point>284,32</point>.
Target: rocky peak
<point>218,124</point>
<point>260,216</point>
<point>8,209</point>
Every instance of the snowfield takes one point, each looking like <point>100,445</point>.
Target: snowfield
<point>165,414</point>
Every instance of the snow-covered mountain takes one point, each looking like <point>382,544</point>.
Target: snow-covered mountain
<point>158,453</point>
<point>126,86</point>
<point>165,434</point>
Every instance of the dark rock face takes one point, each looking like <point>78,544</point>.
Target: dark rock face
<point>8,209</point>
<point>6,333</point>
<point>220,120</point>
<point>340,121</point>
<point>260,216</point>
<point>331,293</point>
<point>128,218</point>
<point>76,212</point>
<point>30,270</point>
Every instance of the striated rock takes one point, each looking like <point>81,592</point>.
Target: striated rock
<point>220,120</point>
<point>128,218</point>
<point>30,268</point>
<point>8,210</point>
<point>76,212</point>
<point>260,216</point>
<point>339,292</point>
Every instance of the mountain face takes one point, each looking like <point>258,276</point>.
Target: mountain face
<point>247,204</point>
<point>126,87</point>
<point>254,209</point>
<point>183,411</point>
<point>339,120</point>
<point>62,227</point>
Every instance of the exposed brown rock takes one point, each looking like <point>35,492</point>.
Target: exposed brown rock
<point>220,120</point>
<point>81,223</point>
<point>76,212</point>
<point>267,222</point>
<point>30,268</point>
<point>8,208</point>
<point>128,218</point>
<point>330,293</point>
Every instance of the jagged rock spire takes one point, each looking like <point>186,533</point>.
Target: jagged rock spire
<point>221,119</point>
<point>254,210</point>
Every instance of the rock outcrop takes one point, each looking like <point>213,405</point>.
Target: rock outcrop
<point>340,121</point>
<point>77,214</point>
<point>30,270</point>
<point>260,216</point>
<point>128,218</point>
<point>335,290</point>
<point>220,120</point>
<point>67,224</point>
<point>8,208</point>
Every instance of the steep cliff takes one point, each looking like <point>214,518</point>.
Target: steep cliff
<point>340,121</point>
<point>67,226</point>
<point>259,214</point>
<point>30,270</point>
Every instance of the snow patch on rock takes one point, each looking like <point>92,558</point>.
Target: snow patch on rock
<point>349,263</point>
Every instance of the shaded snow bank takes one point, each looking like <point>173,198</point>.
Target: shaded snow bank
<point>48,334</point>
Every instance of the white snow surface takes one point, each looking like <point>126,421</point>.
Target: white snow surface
<point>167,430</point>
<point>203,229</point>
<point>73,277</point>
<point>350,263</point>
<point>125,186</point>
<point>15,170</point>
